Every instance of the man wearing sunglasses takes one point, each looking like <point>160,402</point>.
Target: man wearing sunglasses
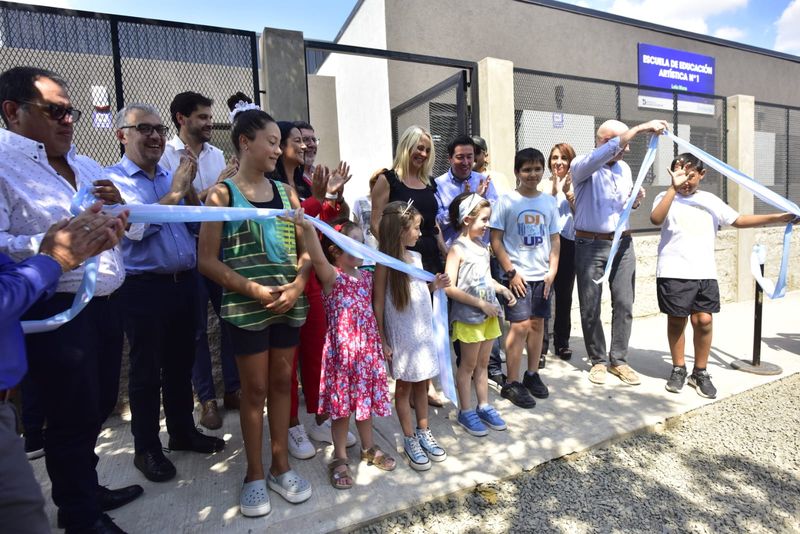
<point>73,370</point>
<point>158,295</point>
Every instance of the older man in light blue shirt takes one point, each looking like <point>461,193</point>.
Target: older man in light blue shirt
<point>158,296</point>
<point>603,184</point>
<point>459,177</point>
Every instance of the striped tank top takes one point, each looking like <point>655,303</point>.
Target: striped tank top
<point>264,252</point>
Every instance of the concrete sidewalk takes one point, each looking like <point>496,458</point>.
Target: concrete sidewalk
<point>577,416</point>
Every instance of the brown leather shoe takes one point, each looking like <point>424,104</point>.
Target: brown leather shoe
<point>209,415</point>
<point>231,400</point>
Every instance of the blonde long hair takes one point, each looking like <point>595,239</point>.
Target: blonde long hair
<point>408,142</point>
<point>397,218</point>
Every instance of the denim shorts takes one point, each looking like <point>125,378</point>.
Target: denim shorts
<point>533,304</point>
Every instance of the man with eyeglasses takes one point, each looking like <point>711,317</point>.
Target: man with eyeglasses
<point>158,295</point>
<point>309,139</point>
<point>73,370</point>
<point>191,114</point>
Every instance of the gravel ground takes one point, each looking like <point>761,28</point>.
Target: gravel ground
<point>731,466</point>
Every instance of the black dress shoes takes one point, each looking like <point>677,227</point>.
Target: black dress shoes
<point>111,499</point>
<point>196,442</point>
<point>154,465</point>
<point>103,525</point>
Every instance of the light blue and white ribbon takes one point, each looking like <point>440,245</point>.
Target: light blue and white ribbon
<point>647,162</point>
<point>86,288</point>
<point>772,290</point>
<point>156,213</point>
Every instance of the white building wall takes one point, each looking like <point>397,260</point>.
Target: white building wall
<point>362,96</point>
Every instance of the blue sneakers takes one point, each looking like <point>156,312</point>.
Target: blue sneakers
<point>417,458</point>
<point>472,423</point>
<point>428,443</point>
<point>491,418</point>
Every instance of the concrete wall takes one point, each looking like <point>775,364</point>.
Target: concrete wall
<point>323,115</point>
<point>549,39</point>
<point>362,98</point>
<point>283,74</point>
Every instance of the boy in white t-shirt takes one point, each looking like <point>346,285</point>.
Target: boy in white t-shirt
<point>524,234</point>
<point>686,273</point>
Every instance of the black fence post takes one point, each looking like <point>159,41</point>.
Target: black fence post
<point>675,122</point>
<point>788,146</point>
<point>117,59</point>
<point>756,366</point>
<point>254,58</point>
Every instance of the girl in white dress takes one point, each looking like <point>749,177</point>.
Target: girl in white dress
<point>404,313</point>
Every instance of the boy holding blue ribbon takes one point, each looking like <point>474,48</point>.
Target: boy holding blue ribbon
<point>686,276</point>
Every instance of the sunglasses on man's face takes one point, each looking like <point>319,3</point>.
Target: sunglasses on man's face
<point>58,112</point>
<point>147,129</point>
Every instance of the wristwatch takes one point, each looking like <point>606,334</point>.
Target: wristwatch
<point>511,274</point>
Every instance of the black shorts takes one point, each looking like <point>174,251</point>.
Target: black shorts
<point>533,304</point>
<point>276,336</point>
<point>679,297</point>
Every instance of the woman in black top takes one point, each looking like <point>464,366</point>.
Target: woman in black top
<point>409,180</point>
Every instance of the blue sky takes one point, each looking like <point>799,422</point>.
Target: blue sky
<point>771,24</point>
<point>317,19</point>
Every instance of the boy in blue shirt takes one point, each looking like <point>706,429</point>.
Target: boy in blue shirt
<point>686,274</point>
<point>524,236</point>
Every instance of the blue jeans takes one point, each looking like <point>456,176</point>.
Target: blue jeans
<point>202,375</point>
<point>591,256</point>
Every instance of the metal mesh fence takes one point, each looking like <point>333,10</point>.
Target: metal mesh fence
<point>793,150</point>
<point>441,111</point>
<point>159,62</point>
<point>552,109</point>
<point>79,49</point>
<point>771,156</point>
<point>155,62</point>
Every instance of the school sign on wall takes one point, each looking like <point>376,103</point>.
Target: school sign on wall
<point>675,70</point>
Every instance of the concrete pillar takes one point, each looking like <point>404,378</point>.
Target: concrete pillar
<point>283,68</point>
<point>496,97</point>
<point>741,155</point>
<point>324,117</point>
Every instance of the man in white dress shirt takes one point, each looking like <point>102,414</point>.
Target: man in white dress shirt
<point>603,185</point>
<point>74,369</point>
<point>191,115</point>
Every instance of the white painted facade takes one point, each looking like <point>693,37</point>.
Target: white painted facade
<point>362,98</point>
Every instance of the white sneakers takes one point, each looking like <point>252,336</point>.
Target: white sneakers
<point>323,432</point>
<point>299,445</point>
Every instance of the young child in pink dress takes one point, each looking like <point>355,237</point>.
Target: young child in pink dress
<point>353,379</point>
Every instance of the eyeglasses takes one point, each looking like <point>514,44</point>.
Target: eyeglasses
<point>147,129</point>
<point>309,140</point>
<point>57,112</point>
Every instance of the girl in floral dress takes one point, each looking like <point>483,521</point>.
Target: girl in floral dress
<point>353,380</point>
